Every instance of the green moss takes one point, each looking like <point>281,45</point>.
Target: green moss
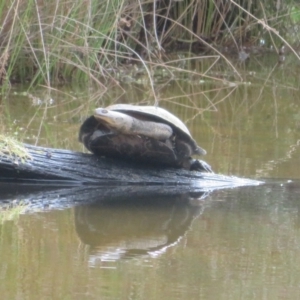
<point>13,150</point>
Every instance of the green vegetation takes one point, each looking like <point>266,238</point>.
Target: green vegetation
<point>91,41</point>
<point>10,148</point>
<point>11,212</point>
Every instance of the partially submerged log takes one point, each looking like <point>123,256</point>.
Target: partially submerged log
<point>48,178</point>
<point>49,166</point>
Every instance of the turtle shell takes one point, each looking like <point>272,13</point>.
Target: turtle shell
<point>181,132</point>
<point>102,141</point>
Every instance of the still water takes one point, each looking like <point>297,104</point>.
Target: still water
<point>240,243</point>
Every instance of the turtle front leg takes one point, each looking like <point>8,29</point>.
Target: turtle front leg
<point>200,165</point>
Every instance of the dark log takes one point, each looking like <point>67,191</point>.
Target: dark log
<point>55,179</point>
<point>49,166</point>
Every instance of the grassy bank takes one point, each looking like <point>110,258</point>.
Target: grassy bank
<point>43,42</point>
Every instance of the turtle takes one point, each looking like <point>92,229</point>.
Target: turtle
<point>144,134</point>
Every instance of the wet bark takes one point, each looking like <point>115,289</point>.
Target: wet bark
<point>56,179</point>
<point>49,166</point>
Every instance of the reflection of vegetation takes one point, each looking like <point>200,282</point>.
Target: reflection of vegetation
<point>11,213</point>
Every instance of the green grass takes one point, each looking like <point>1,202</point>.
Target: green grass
<point>10,148</point>
<point>90,41</point>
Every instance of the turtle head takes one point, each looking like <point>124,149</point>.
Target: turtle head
<point>200,151</point>
<point>113,119</point>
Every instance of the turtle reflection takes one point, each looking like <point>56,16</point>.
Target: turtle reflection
<point>145,226</point>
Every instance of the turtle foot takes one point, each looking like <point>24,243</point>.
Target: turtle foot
<point>200,165</point>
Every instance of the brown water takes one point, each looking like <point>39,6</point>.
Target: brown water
<point>240,243</point>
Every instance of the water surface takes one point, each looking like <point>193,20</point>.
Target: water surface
<point>240,243</point>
